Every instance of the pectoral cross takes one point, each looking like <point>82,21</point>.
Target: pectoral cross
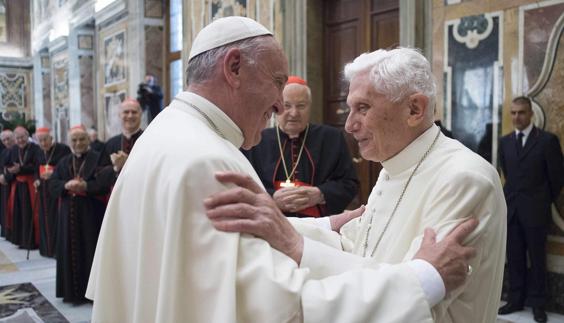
<point>287,183</point>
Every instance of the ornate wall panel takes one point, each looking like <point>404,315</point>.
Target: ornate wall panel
<point>60,95</point>
<point>14,93</point>
<point>472,83</point>
<point>88,110</point>
<point>200,13</point>
<point>112,77</point>
<point>46,91</point>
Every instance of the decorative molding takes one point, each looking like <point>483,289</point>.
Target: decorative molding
<point>471,30</point>
<point>153,22</point>
<point>105,15</point>
<point>19,62</point>
<point>83,15</point>
<point>58,44</point>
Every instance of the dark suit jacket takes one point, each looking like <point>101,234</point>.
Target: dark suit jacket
<point>532,180</point>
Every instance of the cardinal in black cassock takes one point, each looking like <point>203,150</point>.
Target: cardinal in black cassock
<point>51,153</point>
<point>22,220</point>
<point>81,195</point>
<point>306,168</point>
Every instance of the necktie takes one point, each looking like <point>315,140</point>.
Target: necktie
<point>520,136</point>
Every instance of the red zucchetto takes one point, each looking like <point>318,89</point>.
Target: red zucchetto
<point>42,131</point>
<point>292,79</point>
<point>77,128</point>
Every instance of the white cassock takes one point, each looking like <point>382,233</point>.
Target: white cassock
<point>451,184</point>
<point>159,259</point>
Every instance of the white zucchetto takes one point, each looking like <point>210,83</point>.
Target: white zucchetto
<point>224,31</point>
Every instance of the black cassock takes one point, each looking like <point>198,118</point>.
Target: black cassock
<point>47,204</point>
<point>4,190</point>
<point>115,144</point>
<point>79,221</point>
<point>325,162</point>
<point>22,220</point>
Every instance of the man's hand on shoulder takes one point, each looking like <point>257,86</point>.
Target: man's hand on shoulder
<point>449,257</point>
<point>247,208</point>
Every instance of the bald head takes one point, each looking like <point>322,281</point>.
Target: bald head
<point>130,115</point>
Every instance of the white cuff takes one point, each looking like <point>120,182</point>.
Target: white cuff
<point>430,280</point>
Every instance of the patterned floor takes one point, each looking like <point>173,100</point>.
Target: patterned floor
<point>40,271</point>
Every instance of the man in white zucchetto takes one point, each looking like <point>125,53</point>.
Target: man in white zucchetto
<point>161,260</point>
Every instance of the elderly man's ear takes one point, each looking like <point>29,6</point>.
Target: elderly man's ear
<point>418,109</point>
<point>232,67</point>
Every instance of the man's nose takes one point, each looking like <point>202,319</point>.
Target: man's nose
<point>351,125</point>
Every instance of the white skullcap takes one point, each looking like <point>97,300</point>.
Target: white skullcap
<point>224,31</point>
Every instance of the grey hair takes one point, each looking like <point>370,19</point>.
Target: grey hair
<point>201,67</point>
<point>396,73</point>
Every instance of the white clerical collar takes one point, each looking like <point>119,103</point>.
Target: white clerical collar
<point>525,131</point>
<point>411,154</point>
<point>224,124</point>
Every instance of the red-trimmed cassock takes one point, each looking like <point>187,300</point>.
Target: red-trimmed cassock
<point>325,163</point>
<point>48,205</point>
<point>79,221</point>
<point>22,218</point>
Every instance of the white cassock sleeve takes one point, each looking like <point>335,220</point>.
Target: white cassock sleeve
<point>356,289</point>
<point>344,287</point>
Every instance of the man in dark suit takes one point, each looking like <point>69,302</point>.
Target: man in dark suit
<point>531,160</point>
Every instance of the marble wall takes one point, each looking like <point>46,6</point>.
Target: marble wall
<point>154,51</point>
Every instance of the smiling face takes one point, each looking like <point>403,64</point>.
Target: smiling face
<point>21,137</point>
<point>79,141</point>
<point>130,115</point>
<point>8,139</point>
<point>261,92</point>
<point>379,125</point>
<point>297,107</point>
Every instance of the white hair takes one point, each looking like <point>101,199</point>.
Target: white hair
<point>396,73</point>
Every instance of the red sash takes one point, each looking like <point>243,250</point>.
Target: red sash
<point>312,211</point>
<point>28,179</point>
